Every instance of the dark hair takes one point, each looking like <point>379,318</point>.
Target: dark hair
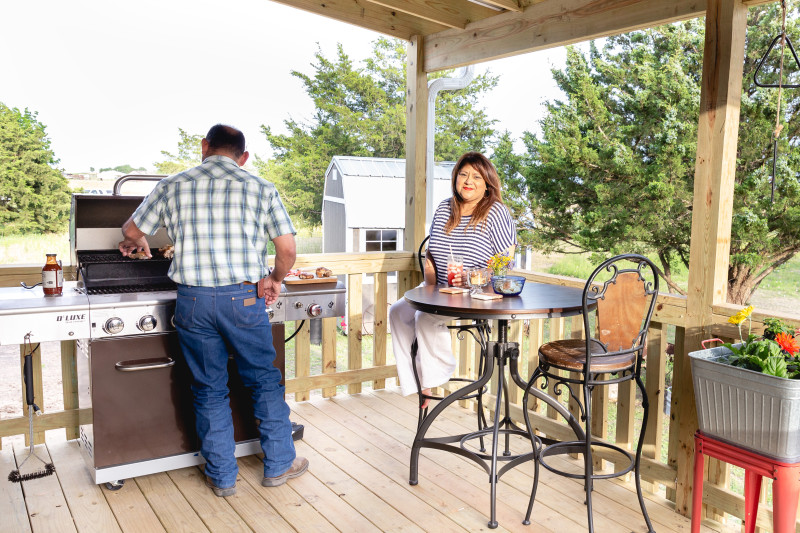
<point>222,137</point>
<point>493,194</point>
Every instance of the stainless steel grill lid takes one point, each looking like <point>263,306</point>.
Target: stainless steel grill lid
<point>95,233</point>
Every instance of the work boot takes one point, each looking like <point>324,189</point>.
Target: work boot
<point>230,491</point>
<point>298,468</point>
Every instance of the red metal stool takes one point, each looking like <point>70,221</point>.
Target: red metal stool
<point>785,487</point>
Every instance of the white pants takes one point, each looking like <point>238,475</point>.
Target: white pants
<point>435,361</point>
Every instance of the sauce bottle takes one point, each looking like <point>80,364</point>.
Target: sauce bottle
<point>52,277</point>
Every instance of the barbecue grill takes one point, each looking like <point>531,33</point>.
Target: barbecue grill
<point>130,367</point>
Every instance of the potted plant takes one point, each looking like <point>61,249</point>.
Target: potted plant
<point>748,393</point>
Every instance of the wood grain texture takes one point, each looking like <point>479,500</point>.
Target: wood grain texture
<point>380,324</point>
<point>87,503</point>
<point>46,504</point>
<point>355,320</point>
<point>549,25</point>
<point>12,500</point>
<point>717,136</point>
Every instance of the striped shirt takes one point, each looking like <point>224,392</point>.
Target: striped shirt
<point>220,218</point>
<point>475,245</point>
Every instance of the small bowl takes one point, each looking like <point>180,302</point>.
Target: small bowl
<point>508,285</point>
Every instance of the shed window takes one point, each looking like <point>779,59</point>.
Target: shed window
<point>380,240</point>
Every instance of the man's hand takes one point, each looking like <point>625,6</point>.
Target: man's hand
<point>269,289</point>
<point>135,240</point>
<point>285,253</point>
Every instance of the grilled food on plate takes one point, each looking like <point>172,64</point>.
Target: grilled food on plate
<point>323,272</point>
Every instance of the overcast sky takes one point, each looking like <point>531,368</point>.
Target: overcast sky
<point>113,81</point>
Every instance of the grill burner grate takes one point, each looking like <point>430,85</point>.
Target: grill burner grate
<point>122,289</point>
<point>108,272</point>
<point>116,258</point>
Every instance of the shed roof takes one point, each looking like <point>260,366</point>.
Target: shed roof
<point>384,167</point>
<point>365,179</point>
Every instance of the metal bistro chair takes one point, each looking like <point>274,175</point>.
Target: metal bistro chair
<point>479,331</point>
<point>625,296</point>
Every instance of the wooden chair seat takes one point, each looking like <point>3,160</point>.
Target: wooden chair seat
<point>571,354</point>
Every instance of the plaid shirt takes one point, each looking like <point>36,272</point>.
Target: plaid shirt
<point>220,218</point>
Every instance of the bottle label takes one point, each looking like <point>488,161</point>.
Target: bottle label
<point>50,279</point>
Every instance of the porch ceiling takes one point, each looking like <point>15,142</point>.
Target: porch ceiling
<point>460,32</point>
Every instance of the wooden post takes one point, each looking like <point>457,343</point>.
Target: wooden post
<point>717,133</point>
<point>69,382</point>
<point>416,148</point>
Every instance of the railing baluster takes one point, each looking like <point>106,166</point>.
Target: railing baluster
<point>379,327</point>
<point>535,341</point>
<point>69,382</point>
<point>329,335</point>
<point>302,356</point>
<point>354,321</point>
<point>655,385</point>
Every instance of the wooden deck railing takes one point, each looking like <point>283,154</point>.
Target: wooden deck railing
<point>669,321</point>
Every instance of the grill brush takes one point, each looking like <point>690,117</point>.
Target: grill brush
<point>49,468</point>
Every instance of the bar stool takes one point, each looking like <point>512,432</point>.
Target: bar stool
<point>785,487</point>
<point>623,289</point>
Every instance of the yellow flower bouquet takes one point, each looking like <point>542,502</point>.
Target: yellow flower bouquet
<point>500,264</point>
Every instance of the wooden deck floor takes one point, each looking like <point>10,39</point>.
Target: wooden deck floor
<point>358,447</point>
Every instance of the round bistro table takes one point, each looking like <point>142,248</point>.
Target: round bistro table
<point>537,300</point>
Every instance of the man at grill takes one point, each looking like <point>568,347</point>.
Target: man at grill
<point>220,219</point>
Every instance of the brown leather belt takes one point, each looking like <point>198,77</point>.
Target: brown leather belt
<point>249,283</point>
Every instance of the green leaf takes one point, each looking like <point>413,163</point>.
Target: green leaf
<point>775,366</point>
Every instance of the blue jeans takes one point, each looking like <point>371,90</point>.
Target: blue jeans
<point>209,320</point>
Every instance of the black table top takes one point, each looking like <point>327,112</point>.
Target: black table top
<point>537,300</point>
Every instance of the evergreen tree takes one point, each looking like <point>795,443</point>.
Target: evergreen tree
<point>613,170</point>
<point>34,196</point>
<point>361,112</point>
<point>188,155</point>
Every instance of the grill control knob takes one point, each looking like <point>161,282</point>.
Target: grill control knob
<point>314,310</point>
<point>147,323</point>
<point>113,325</point>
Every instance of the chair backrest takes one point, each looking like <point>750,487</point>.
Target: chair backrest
<point>423,249</point>
<point>422,254</point>
<point>625,289</point>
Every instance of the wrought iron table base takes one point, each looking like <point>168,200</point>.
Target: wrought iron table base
<point>499,352</point>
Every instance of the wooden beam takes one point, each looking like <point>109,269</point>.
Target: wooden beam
<point>511,5</point>
<point>370,16</point>
<point>453,13</point>
<point>55,420</point>
<point>550,24</point>
<point>344,377</point>
<point>416,144</point>
<point>715,166</point>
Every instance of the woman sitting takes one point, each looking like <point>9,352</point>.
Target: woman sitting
<point>473,224</point>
